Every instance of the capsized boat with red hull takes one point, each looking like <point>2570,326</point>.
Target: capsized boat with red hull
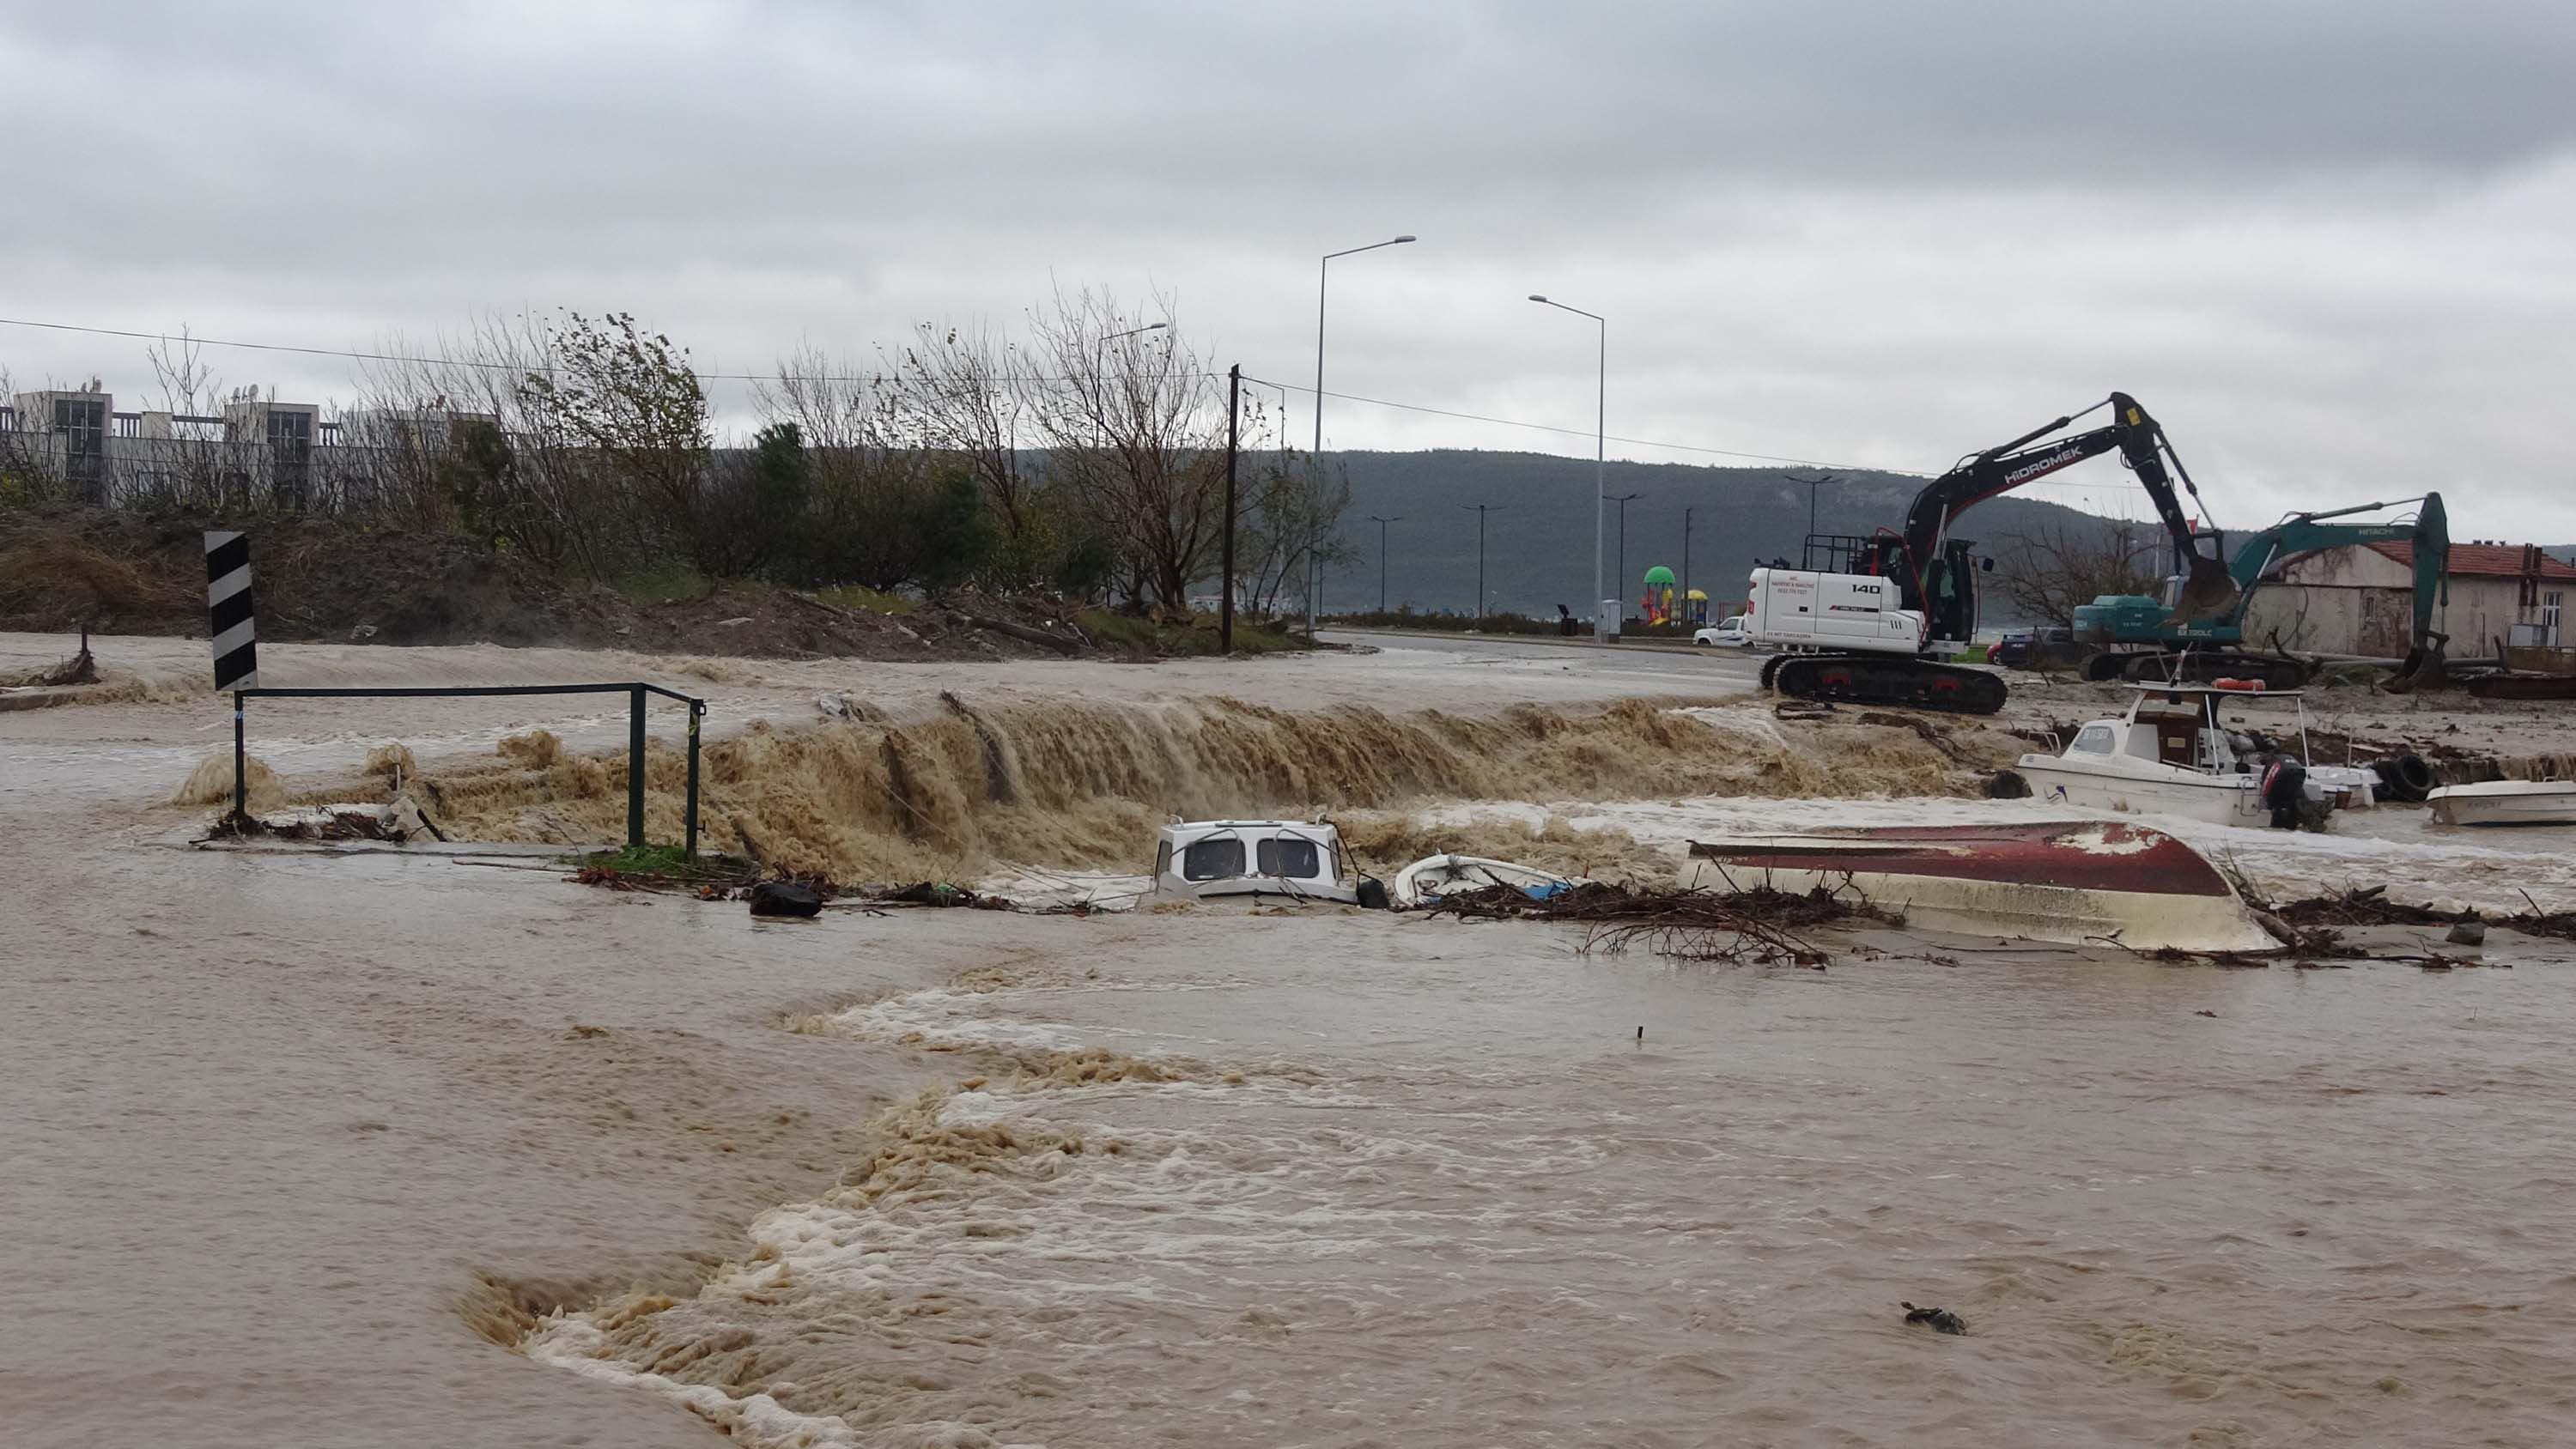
<point>2071,880</point>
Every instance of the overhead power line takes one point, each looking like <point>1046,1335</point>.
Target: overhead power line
<point>472,362</point>
<point>1284,387</point>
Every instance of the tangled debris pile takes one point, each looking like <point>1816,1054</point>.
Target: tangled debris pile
<point>2370,906</point>
<point>1688,925</point>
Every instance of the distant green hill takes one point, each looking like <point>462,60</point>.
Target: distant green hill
<point>1538,539</point>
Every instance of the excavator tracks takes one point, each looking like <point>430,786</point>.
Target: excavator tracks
<point>2196,666</point>
<point>1885,679</point>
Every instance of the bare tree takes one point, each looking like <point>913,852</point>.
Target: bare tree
<point>499,467</point>
<point>1134,423</point>
<point>2046,572</point>
<point>190,467</point>
<point>963,391</point>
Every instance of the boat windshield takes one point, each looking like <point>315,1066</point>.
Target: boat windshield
<point>2093,739</point>
<point>1215,857</point>
<point>1291,856</point>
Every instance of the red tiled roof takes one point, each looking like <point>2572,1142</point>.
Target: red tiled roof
<point>2483,560</point>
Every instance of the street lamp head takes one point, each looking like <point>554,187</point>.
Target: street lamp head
<point>1404,238</point>
<point>1154,326</point>
<point>1535,297</point>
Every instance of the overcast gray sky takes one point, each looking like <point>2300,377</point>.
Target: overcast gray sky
<point>2327,243</point>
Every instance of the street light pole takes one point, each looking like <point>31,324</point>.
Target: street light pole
<point>1096,355</point>
<point>1819,481</point>
<point>1686,520</point>
<point>1601,437</point>
<point>1323,275</point>
<point>1381,556</point>
<point>1622,501</point>
<point>1481,510</point>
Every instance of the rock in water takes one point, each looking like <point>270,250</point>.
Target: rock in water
<point>784,898</point>
<point>1942,1320</point>
<point>2468,933</point>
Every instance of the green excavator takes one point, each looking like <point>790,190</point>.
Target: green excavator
<point>2141,639</point>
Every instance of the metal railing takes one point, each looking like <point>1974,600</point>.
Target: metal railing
<point>119,469</point>
<point>635,693</point>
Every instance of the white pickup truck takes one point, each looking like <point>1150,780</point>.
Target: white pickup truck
<point>1728,635</point>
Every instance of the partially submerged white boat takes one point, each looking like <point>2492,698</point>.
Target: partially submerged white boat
<point>2067,881</point>
<point>1434,876</point>
<point>2170,753</point>
<point>2506,802</point>
<point>1280,860</point>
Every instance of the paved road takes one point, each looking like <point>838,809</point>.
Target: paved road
<point>1724,668</point>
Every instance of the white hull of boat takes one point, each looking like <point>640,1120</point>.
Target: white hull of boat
<point>2075,882</point>
<point>2506,802</point>
<point>2140,920</point>
<point>1430,878</point>
<point>2236,800</point>
<point>1260,889</point>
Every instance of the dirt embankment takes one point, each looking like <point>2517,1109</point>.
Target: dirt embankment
<point>326,580</point>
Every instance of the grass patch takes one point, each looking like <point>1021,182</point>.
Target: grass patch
<point>1197,636</point>
<point>665,863</point>
<point>1114,628</point>
<point>664,583</point>
<point>859,598</point>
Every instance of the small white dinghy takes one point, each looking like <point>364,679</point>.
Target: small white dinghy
<point>1434,876</point>
<point>2506,802</point>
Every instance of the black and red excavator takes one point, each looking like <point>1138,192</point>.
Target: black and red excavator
<point>1872,620</point>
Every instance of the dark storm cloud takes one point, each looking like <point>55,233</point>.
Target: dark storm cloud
<point>2325,241</point>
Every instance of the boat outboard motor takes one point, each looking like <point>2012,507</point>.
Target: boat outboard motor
<point>2285,789</point>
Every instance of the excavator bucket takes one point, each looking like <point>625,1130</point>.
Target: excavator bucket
<point>2425,667</point>
<point>2207,591</point>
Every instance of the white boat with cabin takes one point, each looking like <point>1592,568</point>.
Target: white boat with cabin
<point>1279,860</point>
<point>2170,753</point>
<point>2506,802</point>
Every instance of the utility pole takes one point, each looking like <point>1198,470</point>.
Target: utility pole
<point>1225,594</point>
<point>1481,510</point>
<point>1381,556</point>
<point>1622,501</point>
<point>1686,520</point>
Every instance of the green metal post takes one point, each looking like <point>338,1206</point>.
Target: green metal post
<point>696,708</point>
<point>635,766</point>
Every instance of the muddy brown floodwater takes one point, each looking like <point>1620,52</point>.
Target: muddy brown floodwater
<point>381,1150</point>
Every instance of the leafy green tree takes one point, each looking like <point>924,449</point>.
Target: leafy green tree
<point>782,495</point>
<point>957,533</point>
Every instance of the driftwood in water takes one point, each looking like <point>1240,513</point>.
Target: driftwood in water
<point>1690,925</point>
<point>1064,644</point>
<point>2370,906</point>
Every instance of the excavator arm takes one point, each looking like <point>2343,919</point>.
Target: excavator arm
<point>2141,443</point>
<point>2258,559</point>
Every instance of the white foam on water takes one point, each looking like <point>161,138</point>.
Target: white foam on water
<point>1101,890</point>
<point>576,1344</point>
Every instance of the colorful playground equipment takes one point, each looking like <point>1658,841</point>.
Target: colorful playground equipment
<point>1656,608</point>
